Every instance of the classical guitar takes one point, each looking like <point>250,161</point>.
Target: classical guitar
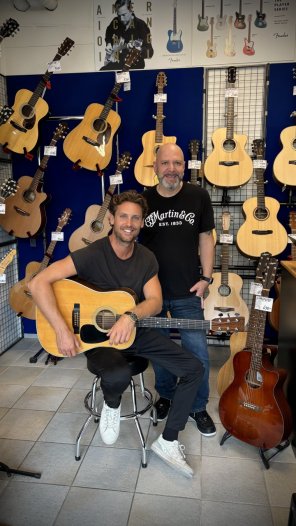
<point>20,298</point>
<point>202,19</point>
<point>8,29</point>
<point>284,166</point>
<point>152,140</point>
<point>221,18</point>
<point>7,188</point>
<point>175,44</point>
<point>25,210</point>
<point>96,224</point>
<point>224,294</point>
<point>248,48</point>
<point>229,49</point>
<point>211,46</point>
<point>20,133</point>
<point>6,260</point>
<point>260,20</point>
<point>261,231</point>
<point>253,408</point>
<point>239,22</point>
<point>228,165</point>
<point>89,145</point>
<point>91,313</point>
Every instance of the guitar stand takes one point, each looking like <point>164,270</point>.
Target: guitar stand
<point>280,447</point>
<point>50,357</point>
<point>9,471</point>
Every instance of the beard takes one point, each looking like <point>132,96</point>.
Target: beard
<point>171,185</point>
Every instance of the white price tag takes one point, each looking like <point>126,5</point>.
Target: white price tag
<point>115,179</point>
<point>127,86</point>
<point>160,97</point>
<point>53,66</point>
<point>231,92</point>
<point>294,90</point>
<point>50,150</point>
<point>292,237</point>
<point>122,76</point>
<point>57,236</point>
<point>3,278</point>
<point>2,208</point>
<point>256,288</point>
<point>226,238</point>
<point>259,163</point>
<point>264,304</point>
<point>194,164</point>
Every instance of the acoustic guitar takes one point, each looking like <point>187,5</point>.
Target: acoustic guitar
<point>25,210</point>
<point>6,260</point>
<point>228,165</point>
<point>90,314</point>
<point>20,133</point>
<point>211,46</point>
<point>284,166</point>
<point>175,44</point>
<point>89,145</point>
<point>261,231</point>
<point>96,224</point>
<point>224,294</point>
<point>253,408</point>
<point>20,298</point>
<point>8,29</point>
<point>248,48</point>
<point>152,140</point>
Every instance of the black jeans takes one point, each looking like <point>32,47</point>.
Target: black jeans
<point>114,371</point>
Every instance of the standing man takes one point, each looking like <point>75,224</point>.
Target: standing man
<point>123,33</point>
<point>114,262</point>
<point>179,223</point>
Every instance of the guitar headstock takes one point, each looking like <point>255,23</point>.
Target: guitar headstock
<point>8,188</point>
<point>5,113</point>
<point>161,80</point>
<point>194,145</point>
<point>231,75</point>
<point>262,265</point>
<point>258,148</point>
<point>65,218</point>
<point>124,161</point>
<point>269,276</point>
<point>6,260</point>
<point>64,48</point>
<point>60,131</point>
<point>250,18</point>
<point>131,58</point>
<point>228,325</point>
<point>226,221</point>
<point>9,28</point>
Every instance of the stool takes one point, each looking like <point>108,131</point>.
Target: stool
<point>138,365</point>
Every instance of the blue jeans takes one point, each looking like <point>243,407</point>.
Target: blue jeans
<point>193,341</point>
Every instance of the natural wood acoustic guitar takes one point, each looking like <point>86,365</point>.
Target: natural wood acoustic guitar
<point>284,166</point>
<point>6,260</point>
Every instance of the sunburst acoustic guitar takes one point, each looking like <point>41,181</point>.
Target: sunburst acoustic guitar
<point>152,140</point>
<point>96,224</point>
<point>20,133</point>
<point>261,231</point>
<point>228,165</point>
<point>20,298</point>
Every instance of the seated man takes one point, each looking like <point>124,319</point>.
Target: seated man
<point>114,262</point>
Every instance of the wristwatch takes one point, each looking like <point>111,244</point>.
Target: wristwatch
<point>208,280</point>
<point>132,315</point>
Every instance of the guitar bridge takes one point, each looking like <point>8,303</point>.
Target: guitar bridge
<point>90,141</point>
<point>76,318</point>
<point>229,163</point>
<point>262,232</point>
<point>292,162</point>
<point>21,211</point>
<point>251,406</point>
<point>86,241</point>
<point>18,127</point>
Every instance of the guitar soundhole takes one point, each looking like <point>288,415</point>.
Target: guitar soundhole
<point>29,196</point>
<point>104,320</point>
<point>261,214</point>
<point>294,144</point>
<point>224,290</point>
<point>99,125</point>
<point>97,226</point>
<point>229,145</point>
<point>27,111</point>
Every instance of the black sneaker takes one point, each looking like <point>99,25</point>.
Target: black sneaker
<point>162,407</point>
<point>204,423</point>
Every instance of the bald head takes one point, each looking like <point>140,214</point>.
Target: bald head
<point>169,167</point>
<point>169,148</point>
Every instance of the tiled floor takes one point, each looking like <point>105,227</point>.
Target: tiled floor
<point>41,412</point>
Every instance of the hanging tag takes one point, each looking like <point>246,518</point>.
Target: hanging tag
<point>2,208</point>
<point>50,150</point>
<point>256,288</point>
<point>226,238</point>
<point>259,163</point>
<point>264,304</point>
<point>53,66</point>
<point>122,76</point>
<point>115,179</point>
<point>57,236</point>
<point>160,97</point>
<point>3,278</point>
<point>127,86</point>
<point>231,92</point>
<point>294,90</point>
<point>194,164</point>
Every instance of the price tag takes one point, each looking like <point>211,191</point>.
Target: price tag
<point>292,237</point>
<point>294,90</point>
<point>3,278</point>
<point>256,288</point>
<point>231,92</point>
<point>160,97</point>
<point>194,164</point>
<point>259,163</point>
<point>2,208</point>
<point>122,76</point>
<point>50,150</point>
<point>226,238</point>
<point>264,304</point>
<point>53,66</point>
<point>115,179</point>
<point>127,86</point>
<point>57,236</point>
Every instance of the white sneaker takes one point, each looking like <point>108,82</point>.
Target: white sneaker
<point>173,454</point>
<point>109,424</point>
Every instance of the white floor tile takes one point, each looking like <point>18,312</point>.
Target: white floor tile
<point>155,510</point>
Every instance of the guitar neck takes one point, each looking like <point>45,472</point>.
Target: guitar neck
<point>41,169</point>
<point>175,21</point>
<point>175,323</point>
<point>102,212</point>
<point>40,88</point>
<point>110,101</point>
<point>159,121</point>
<point>230,117</point>
<point>224,263</point>
<point>260,188</point>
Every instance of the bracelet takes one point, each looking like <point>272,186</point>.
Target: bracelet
<point>208,280</point>
<point>132,315</point>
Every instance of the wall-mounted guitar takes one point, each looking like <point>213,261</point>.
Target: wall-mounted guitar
<point>260,20</point>
<point>202,19</point>
<point>152,140</point>
<point>96,224</point>
<point>211,46</point>
<point>25,211</point>
<point>228,165</point>
<point>248,48</point>
<point>20,298</point>
<point>284,166</point>
<point>261,231</point>
<point>239,22</point>
<point>253,408</point>
<point>229,49</point>
<point>6,260</point>
<point>8,29</point>
<point>221,18</point>
<point>89,145</point>
<point>20,133</point>
<point>224,294</point>
<point>175,44</point>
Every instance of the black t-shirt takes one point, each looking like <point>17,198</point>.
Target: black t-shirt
<point>99,265</point>
<point>171,231</point>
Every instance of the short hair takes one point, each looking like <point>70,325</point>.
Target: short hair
<point>120,3</point>
<point>130,196</point>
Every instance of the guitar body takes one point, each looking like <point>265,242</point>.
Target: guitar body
<point>211,51</point>
<point>90,231</point>
<point>175,44</point>
<point>223,301</point>
<point>203,24</point>
<point>257,415</point>
<point>272,236</point>
<point>221,22</point>
<point>96,151</point>
<point>248,48</point>
<point>228,176</point>
<point>15,139</point>
<point>24,218</point>
<point>284,166</point>
<point>260,20</point>
<point>144,172</point>
<point>239,22</point>
<point>237,343</point>
<point>20,299</point>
